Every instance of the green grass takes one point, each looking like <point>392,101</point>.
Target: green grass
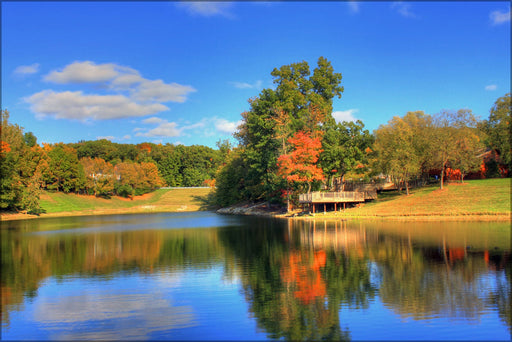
<point>160,200</point>
<point>473,197</point>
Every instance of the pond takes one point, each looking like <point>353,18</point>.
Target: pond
<point>203,276</point>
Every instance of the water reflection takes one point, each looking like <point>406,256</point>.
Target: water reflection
<point>296,277</point>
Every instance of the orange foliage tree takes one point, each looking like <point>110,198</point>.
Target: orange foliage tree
<point>300,165</point>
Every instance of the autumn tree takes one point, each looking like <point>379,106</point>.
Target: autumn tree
<point>402,145</point>
<point>301,101</point>
<point>300,165</point>
<point>100,178</point>
<point>65,171</point>
<point>11,144</point>
<point>448,133</point>
<point>20,184</point>
<point>469,151</point>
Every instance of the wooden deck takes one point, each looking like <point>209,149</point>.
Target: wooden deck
<point>332,197</point>
<point>327,198</point>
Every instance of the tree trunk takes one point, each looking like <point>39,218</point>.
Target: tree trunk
<point>406,187</point>
<point>442,177</point>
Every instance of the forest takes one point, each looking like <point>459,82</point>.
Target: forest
<point>288,143</point>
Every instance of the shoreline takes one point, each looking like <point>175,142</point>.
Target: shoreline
<point>257,211</point>
<point>9,217</point>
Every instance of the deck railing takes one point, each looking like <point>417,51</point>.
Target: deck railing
<point>330,197</point>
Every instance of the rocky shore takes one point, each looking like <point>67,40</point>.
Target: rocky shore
<point>259,209</point>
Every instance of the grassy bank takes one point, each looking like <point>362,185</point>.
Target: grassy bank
<point>475,199</point>
<point>488,199</point>
<point>163,200</point>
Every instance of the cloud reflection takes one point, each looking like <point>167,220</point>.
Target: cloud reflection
<point>113,316</point>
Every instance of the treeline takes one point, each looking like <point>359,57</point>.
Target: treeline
<point>290,143</point>
<point>100,167</point>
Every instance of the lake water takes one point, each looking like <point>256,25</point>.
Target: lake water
<point>202,276</point>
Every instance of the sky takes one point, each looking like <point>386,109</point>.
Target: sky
<point>183,72</point>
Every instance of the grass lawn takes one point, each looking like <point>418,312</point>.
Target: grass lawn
<point>163,200</point>
<point>472,198</point>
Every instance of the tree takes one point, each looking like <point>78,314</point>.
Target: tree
<point>300,165</point>
<point>100,178</point>
<point>300,102</point>
<point>345,147</point>
<point>468,157</point>
<point>401,146</point>
<point>65,171</point>
<point>19,182</point>
<point>30,139</point>
<point>448,133</point>
<point>499,129</point>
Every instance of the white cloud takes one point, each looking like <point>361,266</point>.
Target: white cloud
<point>353,6</point>
<point>207,9</point>
<point>126,93</point>
<point>205,127</point>
<point>126,137</point>
<point>159,91</point>
<point>78,106</point>
<point>403,9</point>
<point>27,69</point>
<point>226,127</point>
<point>164,129</point>
<point>244,85</point>
<point>498,17</point>
<point>345,115</point>
<point>83,72</point>
<point>153,120</point>
<point>491,87</point>
<point>125,81</point>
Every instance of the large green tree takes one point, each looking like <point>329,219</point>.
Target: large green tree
<point>402,145</point>
<point>299,102</point>
<point>65,171</point>
<point>499,129</point>
<point>345,146</point>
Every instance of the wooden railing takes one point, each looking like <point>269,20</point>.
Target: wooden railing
<point>331,197</point>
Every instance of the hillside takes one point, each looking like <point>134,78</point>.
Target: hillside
<point>163,200</point>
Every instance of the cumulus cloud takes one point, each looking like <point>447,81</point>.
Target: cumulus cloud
<point>153,120</point>
<point>498,17</point>
<point>161,92</point>
<point>244,85</point>
<point>78,106</point>
<point>139,96</point>
<point>491,87</point>
<point>27,69</point>
<point>226,127</point>
<point>345,115</point>
<point>205,127</point>
<point>404,9</point>
<point>164,128</point>
<point>207,9</point>
<point>83,72</point>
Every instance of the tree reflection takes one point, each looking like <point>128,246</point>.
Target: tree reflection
<point>296,287</point>
<point>296,275</point>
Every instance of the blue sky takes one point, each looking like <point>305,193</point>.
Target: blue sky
<point>182,72</point>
